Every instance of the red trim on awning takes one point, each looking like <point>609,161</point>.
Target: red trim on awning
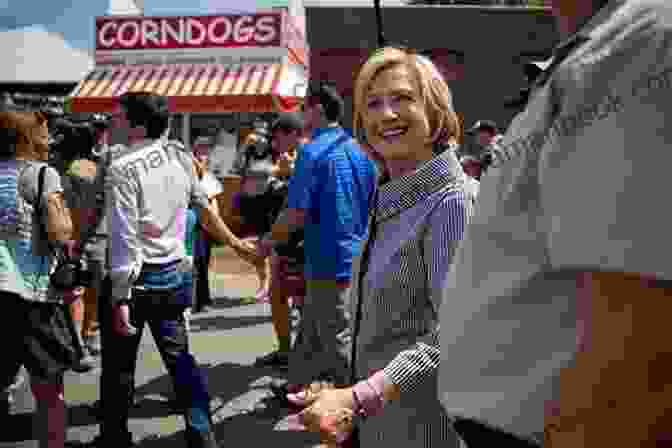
<point>208,88</point>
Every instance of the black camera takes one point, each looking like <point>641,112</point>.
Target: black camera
<point>261,147</point>
<point>70,272</point>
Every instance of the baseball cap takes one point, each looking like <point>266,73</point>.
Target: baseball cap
<point>322,91</point>
<point>485,125</point>
<point>288,121</point>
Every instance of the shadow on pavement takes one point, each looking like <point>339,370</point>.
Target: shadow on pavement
<point>224,302</point>
<point>226,382</point>
<point>242,430</point>
<point>222,323</point>
<point>242,408</point>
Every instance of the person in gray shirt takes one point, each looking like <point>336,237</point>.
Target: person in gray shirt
<point>554,319</point>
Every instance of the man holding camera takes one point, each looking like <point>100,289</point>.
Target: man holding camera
<point>83,182</point>
<point>150,183</point>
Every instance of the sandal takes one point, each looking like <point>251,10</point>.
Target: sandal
<point>263,296</point>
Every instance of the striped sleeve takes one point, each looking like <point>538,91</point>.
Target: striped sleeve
<point>446,227</point>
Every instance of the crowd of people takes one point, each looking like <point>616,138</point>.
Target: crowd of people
<point>498,294</point>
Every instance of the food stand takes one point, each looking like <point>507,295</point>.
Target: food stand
<point>212,68</point>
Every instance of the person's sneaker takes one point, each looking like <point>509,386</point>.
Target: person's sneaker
<point>6,401</point>
<point>19,379</point>
<point>92,345</point>
<point>263,295</point>
<point>94,408</point>
<point>273,359</point>
<point>203,309</point>
<point>116,442</point>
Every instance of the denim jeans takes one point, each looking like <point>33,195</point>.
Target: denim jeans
<point>163,311</point>
<point>202,263</point>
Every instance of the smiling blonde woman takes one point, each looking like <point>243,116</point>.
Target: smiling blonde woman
<point>404,114</point>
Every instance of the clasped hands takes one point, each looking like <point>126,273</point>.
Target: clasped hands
<point>330,413</point>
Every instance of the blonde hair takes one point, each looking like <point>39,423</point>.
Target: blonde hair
<point>444,123</point>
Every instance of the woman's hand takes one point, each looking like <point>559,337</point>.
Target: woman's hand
<point>331,414</point>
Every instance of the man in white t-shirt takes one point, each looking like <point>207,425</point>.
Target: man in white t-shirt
<point>149,185</point>
<point>554,316</point>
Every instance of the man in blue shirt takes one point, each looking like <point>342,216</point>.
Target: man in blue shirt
<point>329,196</point>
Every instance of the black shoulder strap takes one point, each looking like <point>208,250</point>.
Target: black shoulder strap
<point>38,200</point>
<point>363,268</point>
<point>38,208</point>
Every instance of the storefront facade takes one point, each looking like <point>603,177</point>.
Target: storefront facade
<point>480,50</point>
<point>219,72</point>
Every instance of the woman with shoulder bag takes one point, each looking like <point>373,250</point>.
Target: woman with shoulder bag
<point>38,331</point>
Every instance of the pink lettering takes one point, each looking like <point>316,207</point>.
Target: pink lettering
<point>188,32</point>
<point>150,32</point>
<point>196,32</point>
<point>242,33</point>
<point>125,29</point>
<point>220,22</point>
<point>169,31</point>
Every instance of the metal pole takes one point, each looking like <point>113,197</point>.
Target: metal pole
<point>186,130</point>
<point>379,23</point>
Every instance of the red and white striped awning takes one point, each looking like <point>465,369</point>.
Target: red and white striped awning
<point>212,88</point>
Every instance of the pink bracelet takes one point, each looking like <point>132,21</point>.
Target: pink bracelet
<point>368,394</point>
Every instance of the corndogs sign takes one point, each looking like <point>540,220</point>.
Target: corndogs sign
<point>245,38</point>
<point>156,33</point>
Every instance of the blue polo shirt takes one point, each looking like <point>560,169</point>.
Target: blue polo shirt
<point>333,183</point>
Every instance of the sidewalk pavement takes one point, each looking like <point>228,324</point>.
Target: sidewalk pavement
<point>225,341</point>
